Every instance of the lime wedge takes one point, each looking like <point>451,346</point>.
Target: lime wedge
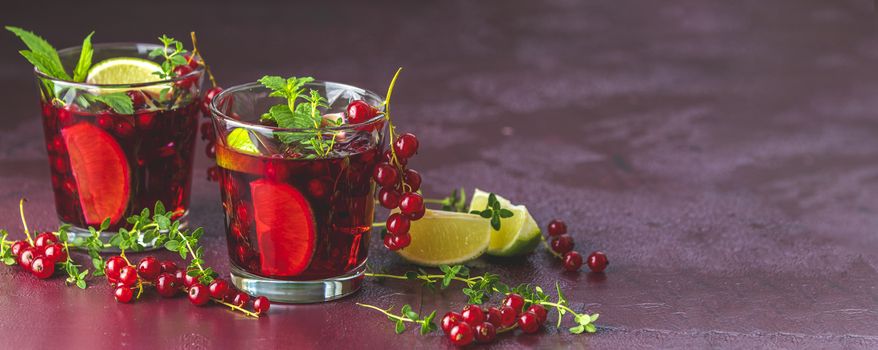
<point>518,235</point>
<point>123,70</point>
<point>239,139</point>
<point>447,238</point>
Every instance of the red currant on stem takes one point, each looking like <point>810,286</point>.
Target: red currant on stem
<point>385,175</point>
<point>167,285</point>
<point>514,301</point>
<point>358,111</point>
<point>113,266</point>
<point>493,316</point>
<point>205,101</point>
<point>406,145</point>
<point>529,322</point>
<point>219,288</point>
<point>45,239</point>
<point>557,227</point>
<point>388,197</point>
<point>398,224</point>
<point>562,244</point>
<point>128,275</point>
<point>597,261</point>
<point>123,294</point>
<point>261,305</point>
<point>507,316</point>
<point>42,267</point>
<point>473,314</point>
<point>241,299</point>
<point>149,268</point>
<point>27,257</point>
<point>19,247</point>
<point>412,205</point>
<point>572,261</point>
<point>198,294</point>
<point>55,253</point>
<point>485,332</point>
<point>450,320</point>
<point>538,310</point>
<point>413,179</point>
<point>169,267</point>
<point>461,334</point>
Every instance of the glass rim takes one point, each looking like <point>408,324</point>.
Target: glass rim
<point>216,114</point>
<point>193,73</point>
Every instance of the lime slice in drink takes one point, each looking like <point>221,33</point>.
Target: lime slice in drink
<point>518,234</point>
<point>447,238</point>
<point>239,139</point>
<point>123,70</point>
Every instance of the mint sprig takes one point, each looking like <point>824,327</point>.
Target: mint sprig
<point>493,212</point>
<point>85,57</point>
<point>40,53</point>
<point>173,53</point>
<point>295,115</point>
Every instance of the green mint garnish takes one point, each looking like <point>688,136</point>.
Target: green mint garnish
<point>173,53</point>
<point>294,115</point>
<point>84,63</point>
<point>40,53</point>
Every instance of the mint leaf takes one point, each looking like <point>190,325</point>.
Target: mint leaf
<point>85,56</point>
<point>239,139</point>
<point>120,102</point>
<point>41,54</point>
<point>275,83</point>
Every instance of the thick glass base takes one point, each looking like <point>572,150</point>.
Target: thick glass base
<point>77,235</point>
<point>299,292</point>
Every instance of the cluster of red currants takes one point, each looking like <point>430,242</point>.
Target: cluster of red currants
<point>399,184</point>
<point>208,133</point>
<point>169,281</point>
<point>41,257</point>
<point>562,245</point>
<point>474,323</point>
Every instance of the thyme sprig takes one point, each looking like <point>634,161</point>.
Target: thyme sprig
<point>479,290</point>
<point>407,315</point>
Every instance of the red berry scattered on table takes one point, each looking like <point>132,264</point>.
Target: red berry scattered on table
<point>473,314</point>
<point>45,239</point>
<point>529,322</point>
<point>557,227</point>
<point>450,320</point>
<point>128,275</point>
<point>514,301</point>
<point>55,253</point>
<point>27,257</point>
<point>540,311</point>
<point>19,247</point>
<point>42,267</point>
<point>198,294</point>
<point>218,288</point>
<point>461,334</point>
<point>123,294</point>
<point>485,332</point>
<point>241,299</point>
<point>597,261</point>
<point>562,244</point>
<point>167,285</point>
<point>572,261</point>
<point>149,268</point>
<point>261,305</point>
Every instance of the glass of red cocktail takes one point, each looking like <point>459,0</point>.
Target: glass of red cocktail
<point>299,202</point>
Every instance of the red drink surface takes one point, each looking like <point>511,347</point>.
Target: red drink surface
<point>108,165</point>
<point>297,219</point>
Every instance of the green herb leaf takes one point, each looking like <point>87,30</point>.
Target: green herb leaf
<point>85,57</point>
<point>40,53</point>
<point>400,327</point>
<point>120,102</point>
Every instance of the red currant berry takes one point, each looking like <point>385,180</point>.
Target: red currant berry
<point>562,244</point>
<point>241,299</point>
<point>485,332</point>
<point>55,253</point>
<point>388,157</point>
<point>145,121</point>
<point>188,281</point>
<point>461,334</point>
<point>385,175</point>
<point>388,197</point>
<point>183,70</point>
<point>494,316</point>
<point>27,257</point>
<point>398,224</point>
<point>219,288</point>
<point>123,294</point>
<point>528,322</point>
<point>105,121</point>
<point>45,239</point>
<point>42,267</point>
<point>412,205</point>
<point>390,243</point>
<point>557,227</point>
<point>137,98</point>
<point>406,145</point>
<point>507,316</point>
<point>207,132</point>
<point>149,268</point>
<point>473,314</point>
<point>128,275</point>
<point>124,128</point>
<point>401,241</point>
<point>597,261</point>
<point>169,267</point>
<point>65,114</point>
<point>198,294</point>
<point>515,301</point>
<point>413,179</point>
<point>540,311</point>
<point>113,266</point>
<point>208,97</point>
<point>19,247</point>
<point>450,320</point>
<point>210,150</point>
<point>359,111</point>
<point>261,305</point>
<point>572,261</point>
<point>167,285</point>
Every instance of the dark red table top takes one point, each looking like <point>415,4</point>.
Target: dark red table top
<point>724,154</point>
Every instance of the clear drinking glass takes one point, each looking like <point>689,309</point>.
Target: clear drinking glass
<point>106,164</point>
<point>298,223</point>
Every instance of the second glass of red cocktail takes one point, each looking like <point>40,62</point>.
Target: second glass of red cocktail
<point>296,185</point>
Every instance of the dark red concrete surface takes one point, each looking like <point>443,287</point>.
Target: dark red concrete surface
<point>723,153</point>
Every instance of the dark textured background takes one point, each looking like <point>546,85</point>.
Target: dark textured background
<point>723,153</point>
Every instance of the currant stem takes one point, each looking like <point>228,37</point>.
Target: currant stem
<point>192,253</point>
<point>389,314</point>
<point>203,62</point>
<point>236,307</point>
<point>379,224</point>
<point>23,221</point>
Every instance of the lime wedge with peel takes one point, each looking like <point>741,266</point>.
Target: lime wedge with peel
<point>123,70</point>
<point>518,234</point>
<point>447,238</point>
